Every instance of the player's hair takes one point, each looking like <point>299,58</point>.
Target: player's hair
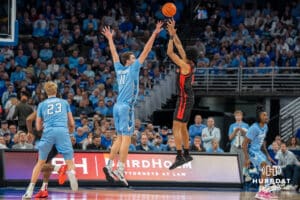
<point>238,112</point>
<point>126,56</point>
<point>192,54</point>
<point>259,110</point>
<point>50,88</point>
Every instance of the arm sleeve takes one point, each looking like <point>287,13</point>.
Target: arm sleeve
<point>136,65</point>
<point>39,110</point>
<point>68,107</point>
<point>117,66</point>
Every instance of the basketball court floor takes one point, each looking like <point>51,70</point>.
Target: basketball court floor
<point>144,193</point>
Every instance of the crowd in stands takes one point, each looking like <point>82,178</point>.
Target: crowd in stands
<point>248,36</point>
<point>61,41</point>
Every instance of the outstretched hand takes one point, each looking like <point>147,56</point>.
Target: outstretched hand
<point>171,27</point>
<point>107,32</point>
<point>158,27</point>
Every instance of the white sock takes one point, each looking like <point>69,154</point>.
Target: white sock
<point>31,187</point>
<point>110,164</point>
<point>44,186</point>
<point>71,171</point>
<point>121,165</point>
<point>56,168</point>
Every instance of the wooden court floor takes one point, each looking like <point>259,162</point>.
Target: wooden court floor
<point>144,194</point>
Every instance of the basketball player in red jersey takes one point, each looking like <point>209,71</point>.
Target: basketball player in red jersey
<point>185,101</point>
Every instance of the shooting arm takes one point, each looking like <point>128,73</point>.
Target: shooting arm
<point>179,46</point>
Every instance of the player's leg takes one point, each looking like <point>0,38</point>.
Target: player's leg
<point>127,128</point>
<point>179,160</point>
<point>113,152</point>
<point>115,147</point>
<point>64,146</point>
<point>186,142</point>
<point>47,170</point>
<point>44,148</point>
<point>262,163</point>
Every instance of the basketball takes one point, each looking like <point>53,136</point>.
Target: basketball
<point>169,9</point>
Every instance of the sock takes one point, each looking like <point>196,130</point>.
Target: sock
<point>121,166</point>
<point>71,171</point>
<point>186,152</point>
<point>56,168</point>
<point>179,152</point>
<point>30,186</point>
<point>110,164</point>
<point>44,186</point>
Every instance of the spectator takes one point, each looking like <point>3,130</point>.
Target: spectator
<point>110,107</point>
<point>46,53</point>
<point>8,139</point>
<point>21,59</point>
<point>2,143</point>
<point>197,145</point>
<point>132,146</point>
<point>210,132</point>
<point>170,144</point>
<point>7,94</point>
<point>18,75</point>
<point>214,147</point>
<point>4,128</point>
<point>74,143</point>
<point>10,107</point>
<point>101,108</point>
<point>22,111</point>
<point>106,139</point>
<point>157,143</point>
<point>293,144</point>
<point>290,166</point>
<point>236,134</point>
<point>40,27</point>
<point>273,151</point>
<point>196,129</point>
<point>144,145</point>
<point>96,145</point>
<point>80,135</point>
<point>90,23</point>
<point>164,134</point>
<point>22,144</point>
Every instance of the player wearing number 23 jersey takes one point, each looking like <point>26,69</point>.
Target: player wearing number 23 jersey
<point>54,112</point>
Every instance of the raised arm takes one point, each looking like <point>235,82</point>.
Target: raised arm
<point>177,41</point>
<point>150,42</point>
<point>170,51</point>
<point>108,33</point>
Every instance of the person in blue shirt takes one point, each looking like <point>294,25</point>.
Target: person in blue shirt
<point>196,129</point>
<point>101,108</point>
<point>236,134</point>
<point>252,146</point>
<point>55,118</point>
<point>214,147</point>
<point>127,72</point>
